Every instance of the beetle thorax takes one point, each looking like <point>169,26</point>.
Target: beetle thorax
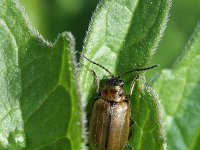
<point>113,93</point>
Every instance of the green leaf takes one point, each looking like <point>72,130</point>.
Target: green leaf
<point>178,89</point>
<point>39,97</point>
<point>148,130</point>
<point>123,35</point>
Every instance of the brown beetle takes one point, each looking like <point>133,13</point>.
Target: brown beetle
<point>110,121</point>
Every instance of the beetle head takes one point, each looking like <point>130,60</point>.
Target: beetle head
<point>113,90</point>
<point>115,82</point>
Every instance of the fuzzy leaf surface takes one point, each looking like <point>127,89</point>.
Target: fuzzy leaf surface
<point>39,100</point>
<point>178,89</point>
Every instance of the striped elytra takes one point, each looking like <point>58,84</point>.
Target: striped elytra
<point>109,125</point>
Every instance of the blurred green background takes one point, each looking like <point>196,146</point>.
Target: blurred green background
<point>51,17</point>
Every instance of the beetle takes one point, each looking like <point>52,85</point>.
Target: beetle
<point>110,123</point>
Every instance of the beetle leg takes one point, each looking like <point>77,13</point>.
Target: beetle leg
<point>96,81</point>
<point>132,123</point>
<point>129,146</point>
<point>131,127</point>
<point>130,134</point>
<point>96,98</point>
<point>133,84</point>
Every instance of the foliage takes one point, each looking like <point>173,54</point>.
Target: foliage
<point>38,96</point>
<point>178,89</point>
<point>42,98</point>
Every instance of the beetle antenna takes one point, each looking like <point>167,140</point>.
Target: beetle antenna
<point>98,65</point>
<point>138,70</point>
